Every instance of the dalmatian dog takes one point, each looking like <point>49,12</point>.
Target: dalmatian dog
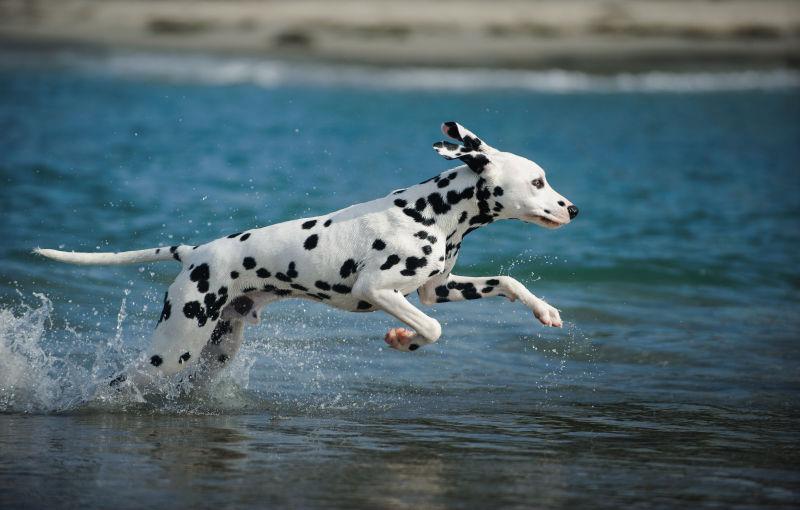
<point>363,258</point>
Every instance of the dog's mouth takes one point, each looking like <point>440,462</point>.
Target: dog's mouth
<point>544,221</point>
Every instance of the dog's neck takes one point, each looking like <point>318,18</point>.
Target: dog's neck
<point>455,203</point>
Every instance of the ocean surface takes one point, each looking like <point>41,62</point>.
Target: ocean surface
<point>675,382</point>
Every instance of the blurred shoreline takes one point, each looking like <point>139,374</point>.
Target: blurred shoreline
<point>588,35</point>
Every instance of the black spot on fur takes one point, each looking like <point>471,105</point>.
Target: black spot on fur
<point>378,245</point>
<point>156,360</point>
<point>363,305</point>
<point>493,281</point>
<point>322,285</point>
<point>311,242</point>
<point>419,218</point>
<point>463,217</point>
<point>263,273</point>
<point>472,142</point>
<point>174,251</point>
<point>213,306</point>
<point>420,204</point>
<point>442,291</point>
<point>242,305</point>
<point>341,289</point>
<point>400,202</point>
<point>249,262</point>
<point>234,236</point>
<point>477,162</point>
<point>220,330</point>
<point>245,237</point>
<point>201,274</point>
<point>234,275</point>
<point>390,261</point>
<point>349,267</point>
<point>421,234</point>
<point>291,273</point>
<point>167,310</point>
<point>480,219</point>
<point>438,204</point>
<point>327,223</point>
<point>434,272</point>
<point>297,286</point>
<point>412,264</point>
<point>427,249</point>
<point>309,224</point>
<point>467,289</point>
<point>498,191</point>
<point>454,197</point>
<point>487,290</point>
<point>184,357</point>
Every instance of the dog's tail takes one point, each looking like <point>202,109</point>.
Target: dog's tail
<point>124,257</point>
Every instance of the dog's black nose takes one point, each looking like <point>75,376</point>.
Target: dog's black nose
<point>573,211</point>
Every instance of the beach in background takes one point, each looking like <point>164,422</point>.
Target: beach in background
<point>672,125</point>
<point>589,35</point>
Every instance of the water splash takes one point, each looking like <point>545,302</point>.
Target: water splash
<point>27,381</point>
<point>42,370</point>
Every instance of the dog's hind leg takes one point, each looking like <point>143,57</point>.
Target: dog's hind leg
<point>226,339</point>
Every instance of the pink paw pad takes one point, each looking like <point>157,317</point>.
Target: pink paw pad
<point>400,338</point>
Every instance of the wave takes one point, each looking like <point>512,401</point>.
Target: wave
<point>218,70</point>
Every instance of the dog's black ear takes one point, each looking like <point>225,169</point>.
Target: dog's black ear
<point>470,140</point>
<point>475,153</point>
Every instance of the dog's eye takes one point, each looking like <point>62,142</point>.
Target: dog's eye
<point>538,183</point>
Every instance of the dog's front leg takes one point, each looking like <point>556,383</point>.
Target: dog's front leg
<point>426,329</point>
<point>458,288</point>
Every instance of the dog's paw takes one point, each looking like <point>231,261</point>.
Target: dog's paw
<point>402,339</point>
<point>547,315</point>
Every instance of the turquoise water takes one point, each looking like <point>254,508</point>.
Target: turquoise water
<point>674,382</point>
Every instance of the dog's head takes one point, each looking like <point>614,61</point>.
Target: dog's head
<point>526,194</point>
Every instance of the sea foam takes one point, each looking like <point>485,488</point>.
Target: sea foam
<point>219,70</point>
